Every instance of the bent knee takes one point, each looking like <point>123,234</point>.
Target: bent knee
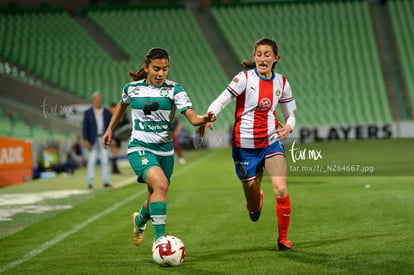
<point>280,187</point>
<point>161,188</point>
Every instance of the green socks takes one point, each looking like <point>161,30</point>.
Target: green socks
<point>158,212</point>
<point>143,217</point>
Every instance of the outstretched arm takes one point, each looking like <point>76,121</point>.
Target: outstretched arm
<point>216,107</point>
<point>197,120</point>
<point>220,102</point>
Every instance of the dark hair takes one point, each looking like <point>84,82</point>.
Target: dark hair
<point>249,63</point>
<point>154,53</point>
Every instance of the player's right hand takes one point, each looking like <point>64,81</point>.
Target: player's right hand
<point>107,139</point>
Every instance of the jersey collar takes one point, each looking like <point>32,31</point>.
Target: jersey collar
<point>149,85</point>
<point>263,78</point>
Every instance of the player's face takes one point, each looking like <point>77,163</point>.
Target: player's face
<point>264,57</point>
<point>157,71</point>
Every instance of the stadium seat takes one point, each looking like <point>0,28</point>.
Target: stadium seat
<point>193,63</point>
<point>328,54</point>
<point>402,20</point>
<point>5,126</point>
<point>53,46</point>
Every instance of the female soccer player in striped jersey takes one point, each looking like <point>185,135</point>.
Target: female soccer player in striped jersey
<point>153,100</point>
<point>257,134</point>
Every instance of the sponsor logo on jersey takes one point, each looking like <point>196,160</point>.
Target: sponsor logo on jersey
<point>150,127</point>
<point>265,104</point>
<point>150,106</point>
<point>242,162</point>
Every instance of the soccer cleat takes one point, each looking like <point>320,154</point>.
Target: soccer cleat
<point>284,245</point>
<point>254,216</point>
<point>138,234</point>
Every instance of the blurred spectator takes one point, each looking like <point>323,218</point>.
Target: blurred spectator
<point>76,159</point>
<point>95,121</point>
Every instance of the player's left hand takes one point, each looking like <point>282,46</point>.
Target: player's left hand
<point>284,131</point>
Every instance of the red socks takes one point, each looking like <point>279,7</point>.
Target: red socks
<point>283,216</point>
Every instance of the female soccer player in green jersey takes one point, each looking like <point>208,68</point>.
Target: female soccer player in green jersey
<point>153,100</point>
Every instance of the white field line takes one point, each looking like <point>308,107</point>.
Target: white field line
<point>125,182</point>
<point>62,236</point>
<point>80,226</point>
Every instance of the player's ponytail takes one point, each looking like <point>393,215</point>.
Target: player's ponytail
<point>154,53</point>
<point>135,76</point>
<point>248,64</point>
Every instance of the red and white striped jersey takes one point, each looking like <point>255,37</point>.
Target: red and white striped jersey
<point>256,101</point>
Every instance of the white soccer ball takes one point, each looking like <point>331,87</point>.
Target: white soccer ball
<point>168,251</point>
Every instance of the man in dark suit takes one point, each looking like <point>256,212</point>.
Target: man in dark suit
<point>95,121</point>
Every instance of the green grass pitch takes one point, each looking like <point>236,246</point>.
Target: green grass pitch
<point>343,222</point>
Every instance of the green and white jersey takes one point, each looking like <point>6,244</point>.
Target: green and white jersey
<point>153,110</point>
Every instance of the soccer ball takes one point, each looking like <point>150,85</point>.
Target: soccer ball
<point>168,251</point>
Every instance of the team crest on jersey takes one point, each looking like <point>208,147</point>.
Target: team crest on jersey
<point>278,92</point>
<point>164,91</point>
<point>236,79</point>
<point>265,104</point>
